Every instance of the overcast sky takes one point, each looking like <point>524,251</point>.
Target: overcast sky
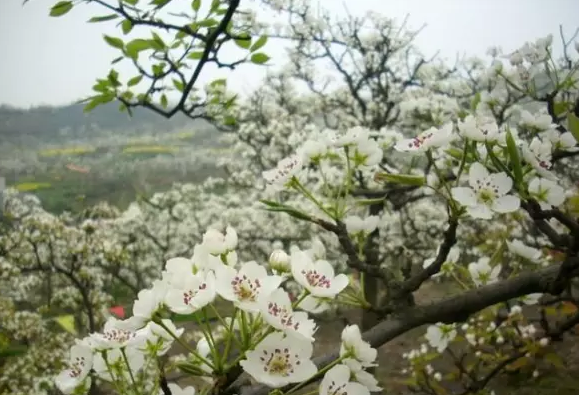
<point>46,60</point>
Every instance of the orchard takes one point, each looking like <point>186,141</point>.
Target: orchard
<point>353,190</point>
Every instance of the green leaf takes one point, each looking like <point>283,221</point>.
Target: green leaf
<point>573,124</point>
<point>209,22</point>
<point>270,203</point>
<point>195,55</point>
<point>405,179</point>
<point>117,60</point>
<point>515,158</point>
<point>61,8</point>
<point>134,47</point>
<point>560,108</point>
<point>135,80</point>
<point>259,43</point>
<point>475,101</point>
<point>196,4</point>
<point>291,212</point>
<point>131,2</point>
<point>189,368</point>
<point>114,42</point>
<point>160,3</point>
<point>178,85</point>
<point>455,153</point>
<point>12,351</point>
<point>160,44</point>
<point>126,26</point>
<point>259,58</point>
<point>229,121</point>
<point>164,101</point>
<point>103,18</point>
<point>496,161</point>
<point>244,41</point>
<point>215,5</point>
<point>67,323</point>
<point>96,101</point>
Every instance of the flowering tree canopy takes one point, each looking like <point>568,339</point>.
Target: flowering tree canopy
<point>390,174</point>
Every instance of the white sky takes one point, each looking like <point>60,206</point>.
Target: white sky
<point>55,61</point>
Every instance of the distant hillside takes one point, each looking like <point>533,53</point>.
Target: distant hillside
<point>55,125</point>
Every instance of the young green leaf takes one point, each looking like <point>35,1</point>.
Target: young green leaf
<point>135,80</point>
<point>134,47</point>
<point>515,158</point>
<point>259,58</point>
<point>196,4</point>
<point>244,41</point>
<point>61,8</point>
<point>164,101</point>
<point>178,85</point>
<point>114,42</point>
<point>195,55</point>
<point>573,124</point>
<point>258,44</point>
<point>104,18</point>
<point>126,26</point>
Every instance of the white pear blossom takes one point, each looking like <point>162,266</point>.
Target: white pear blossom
<point>531,299</point>
<point>367,153</point>
<point>366,379</point>
<point>313,150</point>
<point>176,390</point>
<point>548,193</point>
<point>247,286</point>
<point>118,334</point>
<point>315,305</point>
<point>287,168</point>
<point>317,276</point>
<point>361,353</point>
<point>487,193</point>
<point>280,262</point>
<point>317,249</point>
<point>531,254</point>
<point>278,361</point>
<point>191,293</point>
<point>479,128</point>
<point>431,138</point>
<point>539,154</point>
<point>218,243</point>
<point>354,136</point>
<point>79,365</point>
<point>277,311</point>
<point>561,141</point>
<point>203,260</point>
<point>336,381</point>
<point>440,335</point>
<point>482,273</point>
<point>536,122</point>
<point>149,301</point>
<point>356,225</point>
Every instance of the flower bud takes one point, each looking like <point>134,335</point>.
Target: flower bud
<point>279,261</point>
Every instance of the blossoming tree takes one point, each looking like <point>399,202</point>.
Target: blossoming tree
<point>487,155</point>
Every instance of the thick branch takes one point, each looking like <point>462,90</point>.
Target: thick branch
<point>454,309</point>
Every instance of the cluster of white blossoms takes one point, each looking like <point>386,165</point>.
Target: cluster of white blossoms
<point>274,334</point>
<point>356,147</point>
